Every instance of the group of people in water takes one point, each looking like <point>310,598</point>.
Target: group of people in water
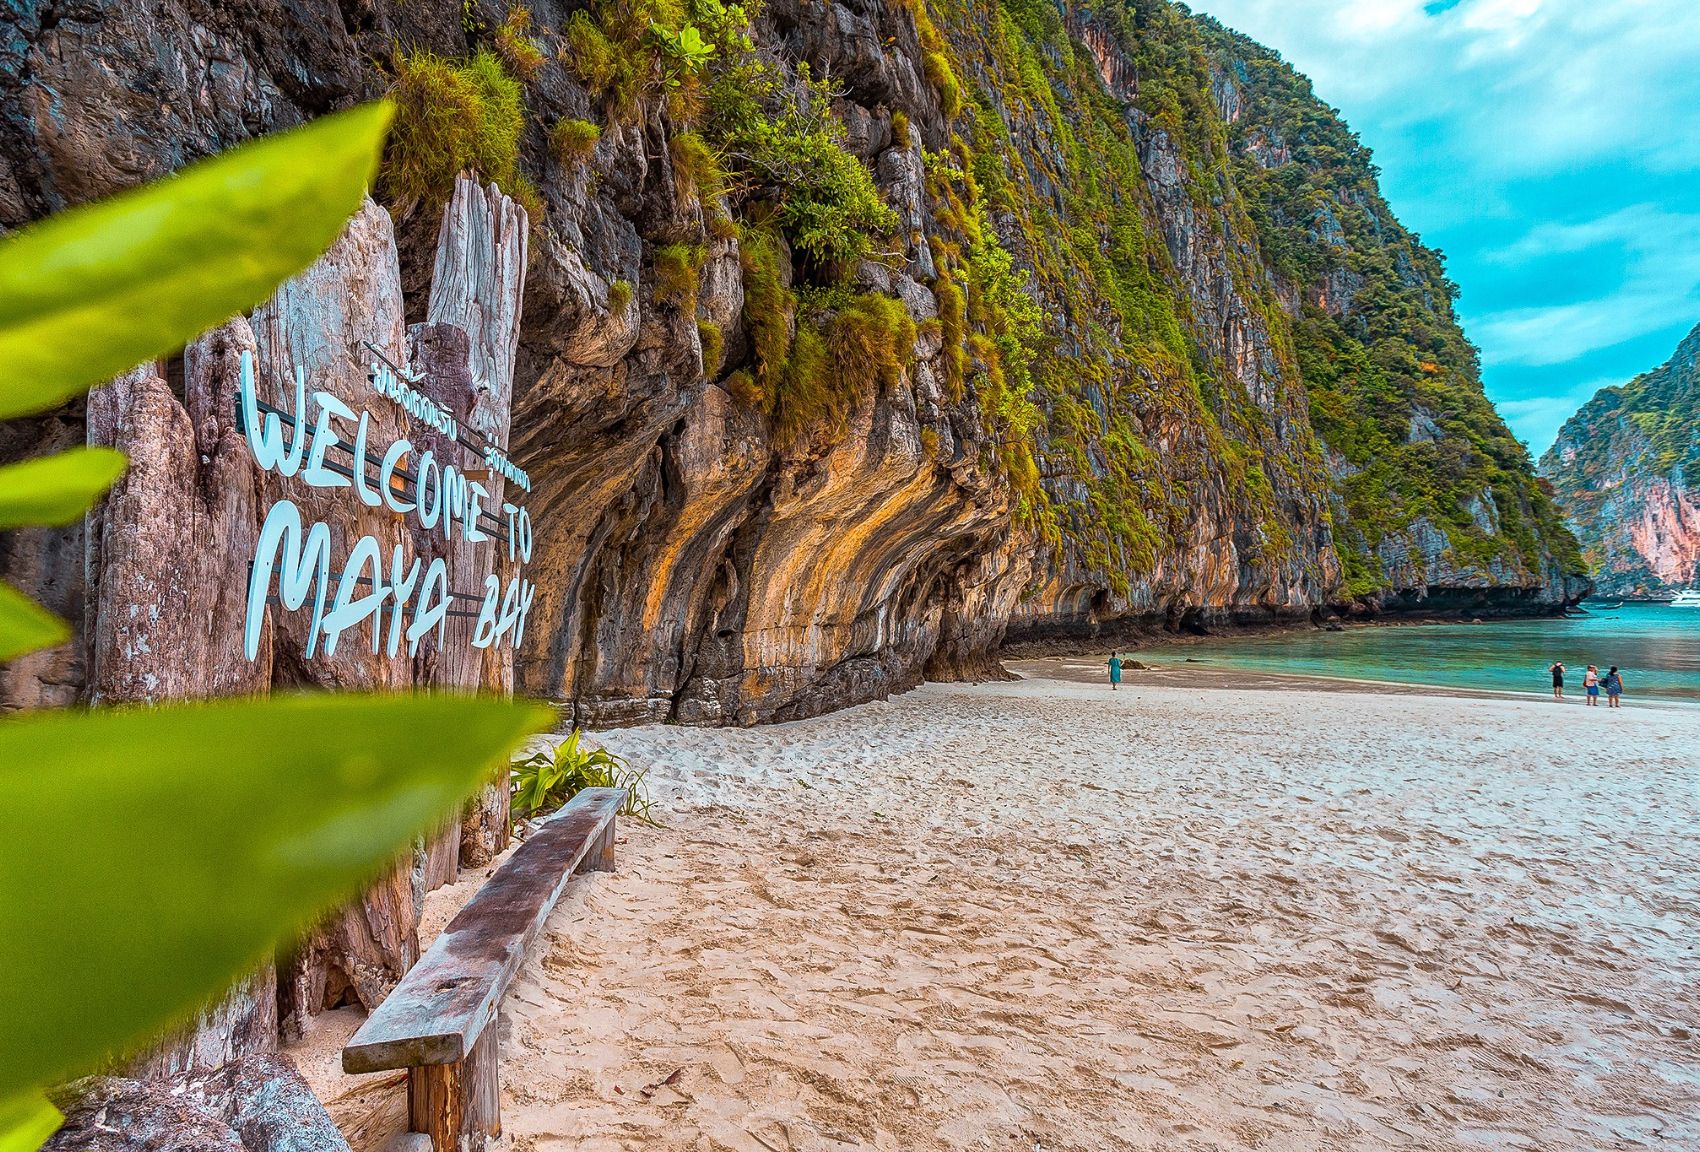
<point>1592,684</point>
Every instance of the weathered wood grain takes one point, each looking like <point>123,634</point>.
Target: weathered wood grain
<point>321,322</point>
<point>167,550</point>
<point>166,554</point>
<point>478,285</point>
<point>459,1106</point>
<point>439,1010</point>
<point>468,344</point>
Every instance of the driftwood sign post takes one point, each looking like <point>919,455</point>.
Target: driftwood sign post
<point>320,497</point>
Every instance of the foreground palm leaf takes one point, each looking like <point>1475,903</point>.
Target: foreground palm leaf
<point>56,489</point>
<point>149,857</point>
<point>95,291</point>
<point>26,626</point>
<point>26,1121</point>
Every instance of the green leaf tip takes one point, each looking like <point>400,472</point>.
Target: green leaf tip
<point>152,856</point>
<point>26,1121</point>
<point>53,490</point>
<point>26,626</point>
<point>92,292</point>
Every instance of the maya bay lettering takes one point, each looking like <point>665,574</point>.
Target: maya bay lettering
<point>399,598</point>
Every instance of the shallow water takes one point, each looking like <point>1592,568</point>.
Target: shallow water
<point>1657,647</point>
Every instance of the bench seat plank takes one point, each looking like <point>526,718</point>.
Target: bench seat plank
<point>437,1011</point>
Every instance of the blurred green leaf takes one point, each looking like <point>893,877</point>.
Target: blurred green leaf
<point>90,293</point>
<point>150,856</point>
<point>26,1122</point>
<point>26,626</point>
<point>56,489</point>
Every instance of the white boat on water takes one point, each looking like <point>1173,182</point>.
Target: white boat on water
<point>1687,598</point>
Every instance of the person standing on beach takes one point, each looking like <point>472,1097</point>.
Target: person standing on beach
<point>1614,686</point>
<point>1557,671</point>
<point>1591,685</point>
<point>1115,663</point>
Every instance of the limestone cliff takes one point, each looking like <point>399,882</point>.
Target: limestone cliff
<point>860,337</point>
<point>1435,502</point>
<point>1627,469</point>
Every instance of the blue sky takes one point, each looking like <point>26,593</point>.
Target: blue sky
<point>1551,148</point>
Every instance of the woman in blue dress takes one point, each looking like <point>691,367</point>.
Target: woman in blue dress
<point>1115,663</point>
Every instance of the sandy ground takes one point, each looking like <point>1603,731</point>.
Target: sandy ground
<point>1042,915</point>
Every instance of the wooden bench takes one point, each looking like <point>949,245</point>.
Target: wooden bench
<point>440,1022</point>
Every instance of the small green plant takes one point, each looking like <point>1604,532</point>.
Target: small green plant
<point>628,50</point>
<point>495,146</point>
<point>790,144</point>
<point>685,50</point>
<point>941,76</point>
<point>574,141</point>
<point>742,387</point>
<point>513,40</point>
<point>696,169</point>
<point>590,54</point>
<point>677,267</point>
<point>713,345</point>
<point>544,781</point>
<point>619,296</point>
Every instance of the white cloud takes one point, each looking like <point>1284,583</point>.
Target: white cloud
<point>1660,286</point>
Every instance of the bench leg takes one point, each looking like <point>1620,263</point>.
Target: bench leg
<point>458,1105</point>
<point>600,858</point>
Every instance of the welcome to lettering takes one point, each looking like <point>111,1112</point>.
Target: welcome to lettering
<point>395,600</point>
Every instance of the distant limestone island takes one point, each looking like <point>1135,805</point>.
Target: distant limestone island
<point>1626,470</point>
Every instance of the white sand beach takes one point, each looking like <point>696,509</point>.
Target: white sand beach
<point>1040,915</point>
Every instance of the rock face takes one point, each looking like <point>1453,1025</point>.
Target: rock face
<point>255,1104</point>
<point>1131,350</point>
<point>1627,469</point>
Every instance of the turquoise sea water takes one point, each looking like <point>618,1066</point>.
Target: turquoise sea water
<point>1656,646</point>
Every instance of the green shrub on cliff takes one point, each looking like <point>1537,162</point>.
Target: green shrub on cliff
<point>450,117</point>
<point>619,295</point>
<point>816,353</point>
<point>873,340</point>
<point>590,54</point>
<point>677,267</point>
<point>631,51</point>
<point>695,167</point>
<point>513,40</point>
<point>790,146</point>
<point>769,309</point>
<point>713,342</point>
